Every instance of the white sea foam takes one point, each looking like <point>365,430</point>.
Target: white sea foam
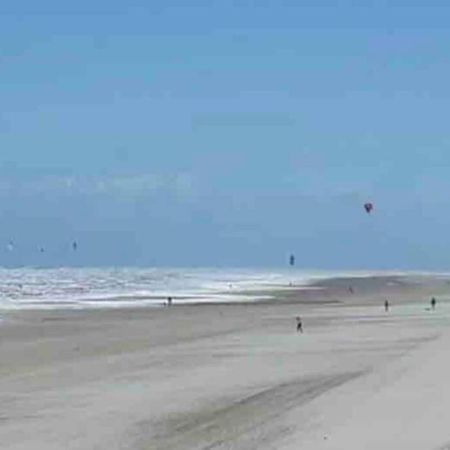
<point>114,287</point>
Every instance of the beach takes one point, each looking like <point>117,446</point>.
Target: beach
<point>234,375</point>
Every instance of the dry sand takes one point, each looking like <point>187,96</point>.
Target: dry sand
<point>234,376</point>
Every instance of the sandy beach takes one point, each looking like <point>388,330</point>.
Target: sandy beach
<point>234,376</point>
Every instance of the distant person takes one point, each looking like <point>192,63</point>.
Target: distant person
<point>169,301</point>
<point>386,306</point>
<point>350,289</point>
<point>433,303</point>
<point>299,325</point>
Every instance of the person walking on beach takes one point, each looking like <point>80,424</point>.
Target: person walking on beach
<point>299,325</point>
<point>433,303</point>
<point>386,305</point>
<point>169,301</point>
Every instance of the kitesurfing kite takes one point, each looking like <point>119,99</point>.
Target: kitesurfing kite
<point>292,260</point>
<point>74,246</point>
<point>368,207</point>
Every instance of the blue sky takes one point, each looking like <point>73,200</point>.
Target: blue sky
<point>225,133</point>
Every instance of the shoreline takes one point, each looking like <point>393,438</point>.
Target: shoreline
<point>250,287</point>
<point>314,289</point>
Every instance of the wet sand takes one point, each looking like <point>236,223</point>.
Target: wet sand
<point>234,376</point>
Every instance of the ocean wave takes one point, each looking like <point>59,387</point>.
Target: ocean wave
<point>26,288</point>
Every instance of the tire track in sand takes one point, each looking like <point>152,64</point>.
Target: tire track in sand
<point>245,423</point>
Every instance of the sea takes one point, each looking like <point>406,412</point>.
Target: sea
<point>37,288</point>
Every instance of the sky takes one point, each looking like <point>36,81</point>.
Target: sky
<point>225,133</point>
